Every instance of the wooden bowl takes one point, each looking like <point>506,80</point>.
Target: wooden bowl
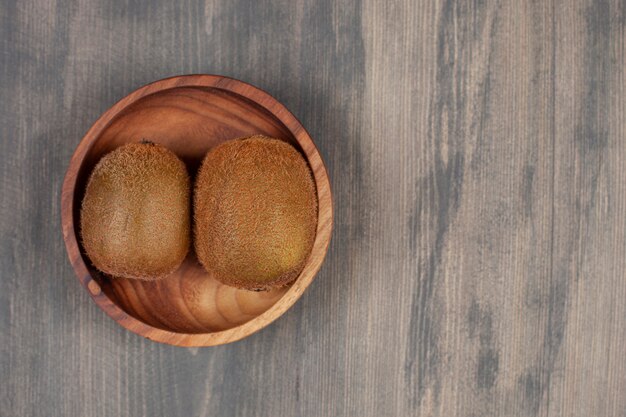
<point>190,115</point>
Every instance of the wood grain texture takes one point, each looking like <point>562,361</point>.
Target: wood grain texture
<point>190,115</point>
<point>475,150</point>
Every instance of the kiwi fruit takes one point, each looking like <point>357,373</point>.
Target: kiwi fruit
<point>255,213</point>
<point>135,215</point>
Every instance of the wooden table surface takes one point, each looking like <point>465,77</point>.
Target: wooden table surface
<point>476,152</point>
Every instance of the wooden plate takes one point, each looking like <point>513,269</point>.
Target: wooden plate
<point>190,115</point>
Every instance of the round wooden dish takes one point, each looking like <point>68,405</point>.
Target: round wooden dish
<point>190,115</point>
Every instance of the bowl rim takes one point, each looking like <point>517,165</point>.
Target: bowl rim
<point>313,263</point>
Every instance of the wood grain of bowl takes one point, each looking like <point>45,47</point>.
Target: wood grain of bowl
<point>190,115</point>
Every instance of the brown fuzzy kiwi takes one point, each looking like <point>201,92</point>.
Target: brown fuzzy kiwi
<point>135,216</point>
<point>255,213</point>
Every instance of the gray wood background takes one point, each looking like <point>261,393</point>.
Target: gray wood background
<point>476,151</point>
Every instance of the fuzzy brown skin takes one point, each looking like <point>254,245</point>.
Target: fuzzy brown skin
<point>135,216</point>
<point>255,213</point>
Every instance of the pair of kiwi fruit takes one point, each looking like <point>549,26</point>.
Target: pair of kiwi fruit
<point>254,220</point>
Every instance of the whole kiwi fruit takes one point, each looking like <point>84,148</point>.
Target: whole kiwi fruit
<point>135,215</point>
<point>255,213</point>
